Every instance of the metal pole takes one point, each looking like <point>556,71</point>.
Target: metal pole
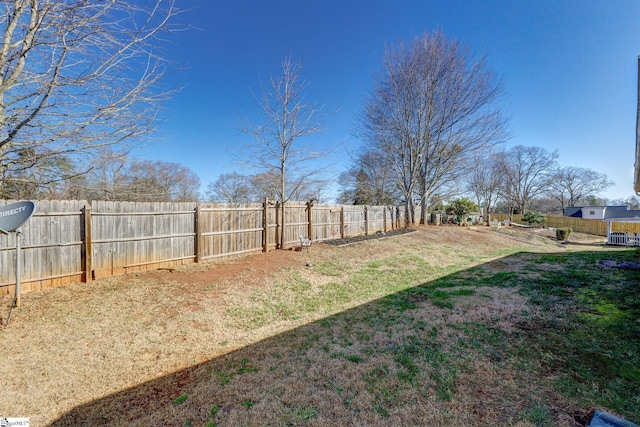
<point>18,266</point>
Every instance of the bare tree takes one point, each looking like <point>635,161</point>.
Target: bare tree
<point>572,184</point>
<point>77,75</point>
<point>41,180</point>
<point>545,205</point>
<point>485,182</point>
<point>431,109</point>
<point>527,173</point>
<point>278,149</point>
<point>231,188</point>
<point>158,181</point>
<point>265,184</point>
<point>633,202</point>
<point>107,180</point>
<point>369,181</point>
<point>317,190</point>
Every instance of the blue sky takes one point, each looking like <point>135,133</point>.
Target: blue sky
<point>569,69</point>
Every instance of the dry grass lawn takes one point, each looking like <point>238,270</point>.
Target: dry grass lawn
<point>266,339</point>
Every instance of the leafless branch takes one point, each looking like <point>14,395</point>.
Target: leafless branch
<point>77,76</point>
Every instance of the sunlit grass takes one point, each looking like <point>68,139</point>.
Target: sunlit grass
<point>405,332</point>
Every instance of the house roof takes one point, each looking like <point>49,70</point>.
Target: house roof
<point>601,207</point>
<point>615,212</point>
<point>628,219</point>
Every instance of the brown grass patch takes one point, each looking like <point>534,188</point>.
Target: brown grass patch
<point>118,351</point>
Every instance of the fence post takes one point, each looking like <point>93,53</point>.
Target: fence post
<point>392,217</point>
<point>279,224</point>
<point>384,219</point>
<point>265,225</point>
<point>197,222</point>
<point>310,219</point>
<point>366,221</point>
<point>87,256</point>
<point>342,225</point>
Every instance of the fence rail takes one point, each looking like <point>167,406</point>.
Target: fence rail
<point>69,241</point>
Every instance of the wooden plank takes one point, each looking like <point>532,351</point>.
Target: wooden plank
<point>198,231</point>
<point>310,220</point>
<point>87,254</point>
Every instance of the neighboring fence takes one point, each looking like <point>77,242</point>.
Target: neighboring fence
<point>623,239</point>
<point>73,240</point>
<point>581,225</point>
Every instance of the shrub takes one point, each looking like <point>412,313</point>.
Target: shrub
<point>461,208</point>
<point>532,218</point>
<point>563,233</point>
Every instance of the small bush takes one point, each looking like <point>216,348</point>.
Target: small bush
<point>461,208</point>
<point>533,218</point>
<point>562,234</point>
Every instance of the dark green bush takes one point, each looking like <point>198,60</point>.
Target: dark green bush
<point>563,233</point>
<point>533,218</point>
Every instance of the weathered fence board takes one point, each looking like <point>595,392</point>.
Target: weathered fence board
<point>296,223</point>
<point>327,223</point>
<point>230,229</point>
<point>131,236</point>
<point>72,240</point>
<point>354,220</point>
<point>376,218</point>
<point>51,247</point>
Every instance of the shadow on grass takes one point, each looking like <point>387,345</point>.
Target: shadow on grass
<point>434,353</point>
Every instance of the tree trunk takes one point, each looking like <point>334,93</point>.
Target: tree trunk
<point>282,197</point>
<point>424,208</point>
<point>487,215</point>
<point>409,212</point>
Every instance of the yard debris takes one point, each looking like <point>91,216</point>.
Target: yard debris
<point>604,419</point>
<point>362,237</point>
<point>608,263</point>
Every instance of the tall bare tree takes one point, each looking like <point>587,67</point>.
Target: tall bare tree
<point>369,180</point>
<point>77,75</point>
<point>434,105</point>
<point>527,172</point>
<point>485,181</point>
<point>278,147</point>
<point>571,184</point>
<point>159,181</point>
<point>106,180</point>
<point>231,188</point>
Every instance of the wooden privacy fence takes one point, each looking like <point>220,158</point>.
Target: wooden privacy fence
<point>596,227</point>
<point>69,241</point>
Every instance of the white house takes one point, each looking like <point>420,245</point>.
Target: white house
<point>600,212</point>
<point>593,212</point>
